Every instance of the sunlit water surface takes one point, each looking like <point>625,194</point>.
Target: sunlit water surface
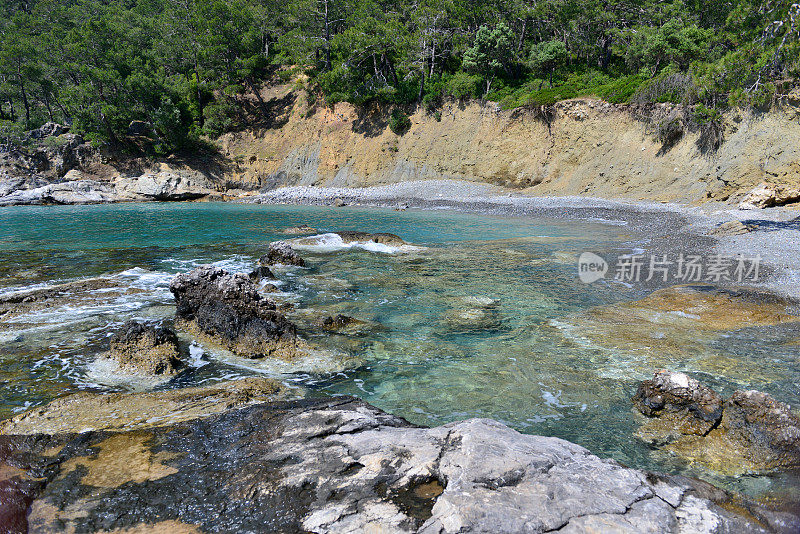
<point>523,361</point>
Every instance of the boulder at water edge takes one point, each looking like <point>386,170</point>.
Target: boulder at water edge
<point>281,253</point>
<point>750,432</point>
<point>229,309</point>
<point>144,349</point>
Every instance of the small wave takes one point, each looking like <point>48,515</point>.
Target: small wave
<point>327,243</point>
<point>12,290</point>
<point>233,264</point>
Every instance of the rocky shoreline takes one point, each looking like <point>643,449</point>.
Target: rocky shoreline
<point>251,455</point>
<point>340,465</point>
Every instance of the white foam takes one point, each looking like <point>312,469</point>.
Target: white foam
<point>106,372</point>
<point>233,264</point>
<point>327,243</point>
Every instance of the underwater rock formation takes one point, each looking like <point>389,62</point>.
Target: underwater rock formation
<point>750,432</point>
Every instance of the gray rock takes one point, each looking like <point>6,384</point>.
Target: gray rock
<point>76,192</point>
<point>167,184</point>
<point>48,129</point>
<point>340,465</point>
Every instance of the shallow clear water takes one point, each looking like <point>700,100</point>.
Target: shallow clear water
<point>534,359</point>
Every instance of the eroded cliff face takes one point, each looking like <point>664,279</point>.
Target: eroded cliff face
<point>590,148</point>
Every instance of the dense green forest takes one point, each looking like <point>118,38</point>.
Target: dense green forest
<point>188,66</point>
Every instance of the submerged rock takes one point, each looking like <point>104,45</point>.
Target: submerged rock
<point>750,432</point>
<point>228,308</point>
<point>281,252</point>
<point>344,324</point>
<point>340,465</point>
<point>678,326</point>
<point>300,230</point>
<point>474,313</point>
<point>84,412</point>
<point>364,237</point>
<point>144,349</point>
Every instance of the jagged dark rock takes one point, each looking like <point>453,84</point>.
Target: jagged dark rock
<point>144,349</point>
<point>261,273</point>
<point>768,426</point>
<point>229,308</point>
<point>281,252</point>
<point>340,465</point>
<point>750,432</point>
<point>690,405</point>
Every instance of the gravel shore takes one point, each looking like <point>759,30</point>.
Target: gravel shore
<point>772,234</point>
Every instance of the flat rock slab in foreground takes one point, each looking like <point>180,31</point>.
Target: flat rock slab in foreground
<point>340,465</point>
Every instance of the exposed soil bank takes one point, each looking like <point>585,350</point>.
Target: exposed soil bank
<point>589,148</point>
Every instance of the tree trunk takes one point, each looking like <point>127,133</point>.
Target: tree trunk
<point>24,98</point>
<point>111,135</point>
<point>199,95</point>
<point>327,39</point>
<point>522,34</point>
<point>421,85</point>
<point>261,102</point>
<point>392,70</point>
<point>433,57</point>
<point>47,104</point>
<point>66,116</point>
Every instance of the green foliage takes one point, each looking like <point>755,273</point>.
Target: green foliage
<point>399,122</point>
<point>462,86</point>
<point>548,56</point>
<point>192,68</point>
<point>491,54</point>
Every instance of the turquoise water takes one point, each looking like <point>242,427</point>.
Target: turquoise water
<point>485,319</point>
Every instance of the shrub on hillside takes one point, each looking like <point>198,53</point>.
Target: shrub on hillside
<point>399,122</point>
